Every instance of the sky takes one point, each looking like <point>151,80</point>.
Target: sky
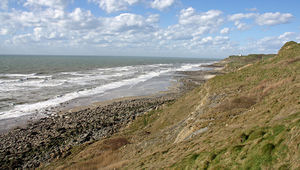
<point>165,28</point>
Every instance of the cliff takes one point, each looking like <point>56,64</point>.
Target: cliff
<point>246,118</point>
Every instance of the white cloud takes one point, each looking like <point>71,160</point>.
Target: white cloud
<point>273,18</point>
<point>211,17</point>
<point>114,5</point>
<point>269,19</point>
<point>286,35</point>
<point>273,43</point>
<point>175,32</point>
<point>77,27</point>
<point>122,5</point>
<point>50,25</point>
<point>192,24</point>
<point>153,18</point>
<point>241,26</point>
<point>224,31</point>
<point>130,22</point>
<point>4,4</point>
<point>240,16</point>
<point>47,3</point>
<point>200,23</point>
<point>218,40</point>
<point>162,4</point>
<point>193,33</point>
<point>4,31</point>
<point>209,45</point>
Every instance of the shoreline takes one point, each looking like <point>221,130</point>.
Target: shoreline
<point>54,136</point>
<point>73,106</point>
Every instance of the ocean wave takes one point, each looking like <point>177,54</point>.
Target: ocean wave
<point>189,67</point>
<point>22,76</point>
<point>25,109</point>
<point>98,81</point>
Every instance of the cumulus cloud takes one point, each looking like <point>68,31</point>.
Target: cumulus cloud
<point>121,5</point>
<point>80,27</point>
<point>153,18</point>
<point>189,16</point>
<point>193,32</point>
<point>80,20</point>
<point>191,24</point>
<point>200,23</point>
<point>209,44</point>
<point>47,3</point>
<point>273,18</point>
<point>224,31</point>
<point>162,4</point>
<point>286,36</point>
<point>241,26</point>
<point>240,16</point>
<point>50,24</point>
<point>114,5</point>
<point>218,40</point>
<point>130,22</point>
<point>272,43</point>
<point>77,27</point>
<point>268,19</point>
<point>175,32</point>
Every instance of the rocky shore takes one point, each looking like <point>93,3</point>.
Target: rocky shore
<point>54,137</point>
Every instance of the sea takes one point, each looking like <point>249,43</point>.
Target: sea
<point>34,84</point>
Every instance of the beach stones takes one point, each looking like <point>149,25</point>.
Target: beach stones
<point>53,137</point>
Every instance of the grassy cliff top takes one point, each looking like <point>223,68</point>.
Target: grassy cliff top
<point>247,118</point>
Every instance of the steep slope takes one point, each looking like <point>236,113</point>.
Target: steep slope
<point>248,118</point>
<point>255,123</point>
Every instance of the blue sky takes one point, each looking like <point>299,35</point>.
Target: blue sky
<point>179,28</point>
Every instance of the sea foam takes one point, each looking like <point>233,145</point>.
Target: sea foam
<point>87,83</point>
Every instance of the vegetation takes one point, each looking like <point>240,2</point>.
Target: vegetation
<point>236,62</point>
<point>248,118</point>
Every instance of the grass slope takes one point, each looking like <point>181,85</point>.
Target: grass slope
<point>248,118</point>
<point>262,113</point>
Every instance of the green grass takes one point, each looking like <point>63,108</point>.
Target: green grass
<point>262,153</point>
<point>236,62</point>
<point>270,82</point>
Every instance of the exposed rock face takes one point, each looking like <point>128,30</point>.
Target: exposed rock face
<point>53,137</point>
